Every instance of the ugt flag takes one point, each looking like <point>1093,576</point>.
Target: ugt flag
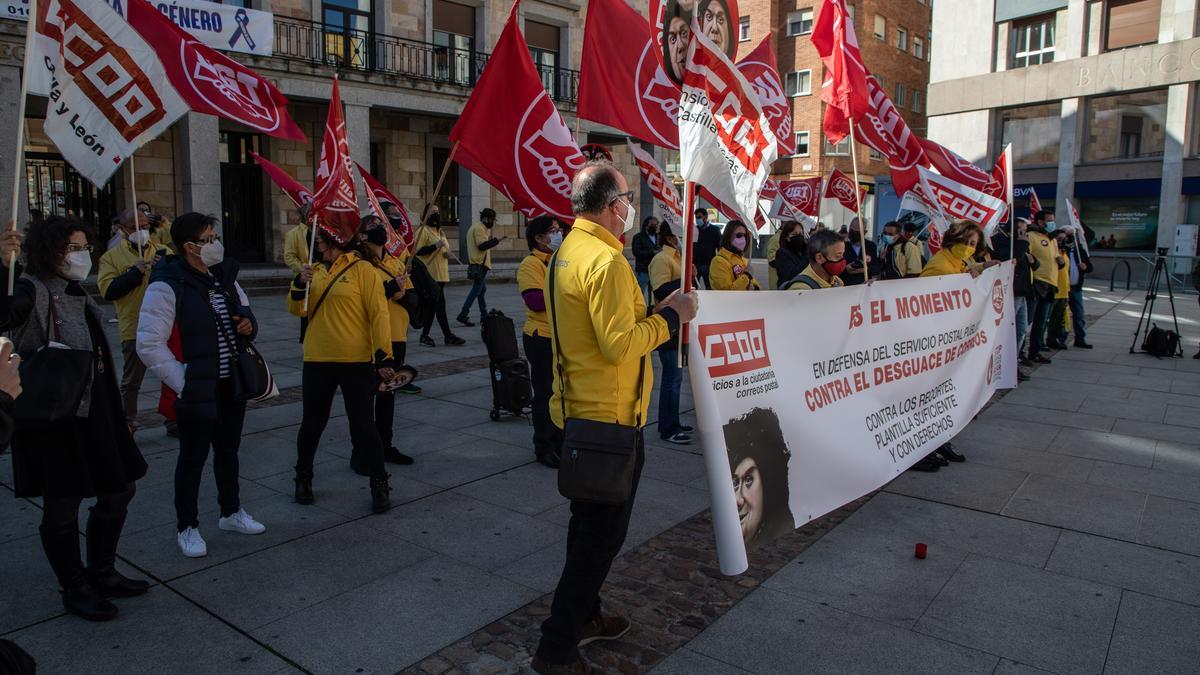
<point>511,135</point>
<point>842,188</point>
<point>335,204</point>
<point>400,231</point>
<point>661,187</point>
<point>885,130</point>
<point>760,69</point>
<point>725,140</point>
<point>798,198</point>
<point>291,187</point>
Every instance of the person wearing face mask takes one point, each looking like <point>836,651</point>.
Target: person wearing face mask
<point>901,255</point>
<point>1056,329</point>
<point>196,295</point>
<point>123,276</point>
<point>646,245</point>
<point>664,278</point>
<point>348,346</point>
<point>792,256</point>
<point>957,255</point>
<point>92,455</point>
<point>826,262</point>
<point>859,254</point>
<point>544,236</point>
<point>1045,280</point>
<point>708,242</point>
<point>433,250</point>
<point>729,270</point>
<point>295,242</point>
<point>480,243</point>
<point>773,244</point>
<point>603,339</point>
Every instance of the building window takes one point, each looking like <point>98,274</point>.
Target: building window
<point>875,155</point>
<point>841,148</point>
<point>1128,23</point>
<point>917,103</point>
<point>801,144</point>
<point>744,29</point>
<point>918,48</point>
<point>900,95</point>
<point>543,41</point>
<point>880,27</point>
<point>454,40</point>
<point>1033,131</point>
<point>1125,126</point>
<point>799,23</point>
<point>799,83</point>
<point>347,25</point>
<point>1031,42</point>
<point>902,39</point>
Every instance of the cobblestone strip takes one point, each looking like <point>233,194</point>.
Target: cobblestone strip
<point>670,587</point>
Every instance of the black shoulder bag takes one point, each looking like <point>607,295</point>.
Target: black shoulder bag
<point>52,379</point>
<point>598,458</point>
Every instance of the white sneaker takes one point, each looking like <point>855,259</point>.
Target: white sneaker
<point>191,543</point>
<point>241,522</point>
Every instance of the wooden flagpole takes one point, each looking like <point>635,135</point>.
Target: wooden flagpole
<point>862,226</point>
<point>137,214</point>
<point>19,154</point>
<point>685,268</point>
<point>312,247</point>
<point>445,170</point>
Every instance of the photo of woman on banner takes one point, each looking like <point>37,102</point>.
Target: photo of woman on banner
<point>758,461</point>
<point>716,18</point>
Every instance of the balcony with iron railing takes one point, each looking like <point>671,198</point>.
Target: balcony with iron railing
<point>366,52</point>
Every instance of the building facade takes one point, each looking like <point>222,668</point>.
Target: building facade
<point>406,68</point>
<point>1096,97</point>
<point>894,37</point>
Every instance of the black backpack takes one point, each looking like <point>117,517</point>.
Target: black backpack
<point>1161,342</point>
<point>804,279</point>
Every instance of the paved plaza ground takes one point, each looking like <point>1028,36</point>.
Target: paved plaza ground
<point>1069,542</point>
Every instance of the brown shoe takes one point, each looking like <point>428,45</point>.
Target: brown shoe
<point>579,667</point>
<point>604,628</point>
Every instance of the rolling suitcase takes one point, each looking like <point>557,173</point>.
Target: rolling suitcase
<point>512,390</point>
<point>500,337</point>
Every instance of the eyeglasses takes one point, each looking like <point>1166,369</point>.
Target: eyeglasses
<point>209,240</point>
<point>628,196</point>
<point>76,248</point>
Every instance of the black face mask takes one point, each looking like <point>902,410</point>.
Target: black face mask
<point>377,236</point>
<point>796,244</point>
<point>434,220</point>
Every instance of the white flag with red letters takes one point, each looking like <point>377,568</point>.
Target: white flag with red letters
<point>661,187</point>
<point>959,201</point>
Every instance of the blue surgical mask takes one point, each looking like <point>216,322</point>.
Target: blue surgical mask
<point>887,239</point>
<point>556,239</point>
<point>1051,226</point>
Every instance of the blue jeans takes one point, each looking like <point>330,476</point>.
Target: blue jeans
<point>643,279</point>
<point>668,393</point>
<point>1078,318</point>
<point>704,276</point>
<point>478,290</point>
<point>1022,311</point>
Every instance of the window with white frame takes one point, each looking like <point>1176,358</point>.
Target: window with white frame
<point>876,155</point>
<point>798,83</point>
<point>902,39</point>
<point>801,144</point>
<point>919,48</point>
<point>917,101</point>
<point>800,22</point>
<point>744,29</point>
<point>1032,41</point>
<point>842,147</point>
<point>880,27</point>
<point>899,100</point>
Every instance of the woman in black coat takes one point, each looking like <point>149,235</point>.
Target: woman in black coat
<point>94,454</point>
<point>792,256</point>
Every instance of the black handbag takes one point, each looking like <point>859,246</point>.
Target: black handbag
<point>252,379</point>
<point>598,458</point>
<point>53,381</point>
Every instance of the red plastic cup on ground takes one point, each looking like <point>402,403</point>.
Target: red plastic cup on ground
<point>922,549</point>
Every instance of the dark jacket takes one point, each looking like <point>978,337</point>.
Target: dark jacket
<point>1083,260</point>
<point>644,250</point>
<point>788,265</point>
<point>707,245</point>
<point>856,277</point>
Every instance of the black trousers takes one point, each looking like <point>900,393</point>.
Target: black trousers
<point>1039,323</point>
<point>436,308</point>
<point>320,381</point>
<point>60,534</point>
<point>385,403</point>
<point>195,439</point>
<point>547,439</point>
<point>594,537</point>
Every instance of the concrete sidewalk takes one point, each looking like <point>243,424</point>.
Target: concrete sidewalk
<point>1069,542</point>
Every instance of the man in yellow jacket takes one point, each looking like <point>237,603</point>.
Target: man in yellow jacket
<point>295,243</point>
<point>603,342</point>
<point>480,243</point>
<point>1045,280</point>
<point>122,277</point>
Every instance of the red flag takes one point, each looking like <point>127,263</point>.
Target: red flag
<point>727,212</point>
<point>803,195</point>
<point>511,135</point>
<point>334,203</point>
<point>845,86</point>
<point>290,186</point>
<point>660,185</point>
<point>759,68</point>
<point>770,189</point>
<point>958,169</point>
<point>1035,205</point>
<point>621,81</point>
<point>1002,179</point>
<point>959,201</point>
<point>399,236</point>
<point>210,82</point>
<point>841,187</point>
<point>886,131</point>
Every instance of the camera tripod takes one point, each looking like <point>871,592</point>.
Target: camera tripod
<point>1147,317</point>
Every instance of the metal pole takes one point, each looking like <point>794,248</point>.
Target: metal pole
<point>862,226</point>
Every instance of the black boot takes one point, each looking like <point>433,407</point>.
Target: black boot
<point>380,501</point>
<point>103,533</point>
<point>304,493</point>
<point>61,545</point>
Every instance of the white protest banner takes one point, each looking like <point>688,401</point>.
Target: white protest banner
<point>808,401</point>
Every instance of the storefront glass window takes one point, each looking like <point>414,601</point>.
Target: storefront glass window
<point>1033,131</point>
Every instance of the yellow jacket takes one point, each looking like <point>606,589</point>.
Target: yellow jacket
<point>1045,249</point>
<point>435,262</point>
<point>942,263</point>
<point>295,247</point>
<point>1064,282</point>
<point>531,276</point>
<point>730,272</point>
<point>908,258</point>
<point>477,236</point>
<point>351,325</point>
<point>665,267</point>
<point>772,249</point>
<point>161,238</point>
<point>114,265</point>
<point>605,334</point>
<point>389,268</point>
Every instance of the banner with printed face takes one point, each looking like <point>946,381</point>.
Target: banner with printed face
<point>673,23</point>
<point>793,429</point>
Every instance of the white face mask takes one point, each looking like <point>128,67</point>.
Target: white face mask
<point>139,237</point>
<point>556,239</point>
<point>76,265</point>
<point>630,214</point>
<point>212,253</point>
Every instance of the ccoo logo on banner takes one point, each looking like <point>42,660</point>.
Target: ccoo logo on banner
<point>800,428</point>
